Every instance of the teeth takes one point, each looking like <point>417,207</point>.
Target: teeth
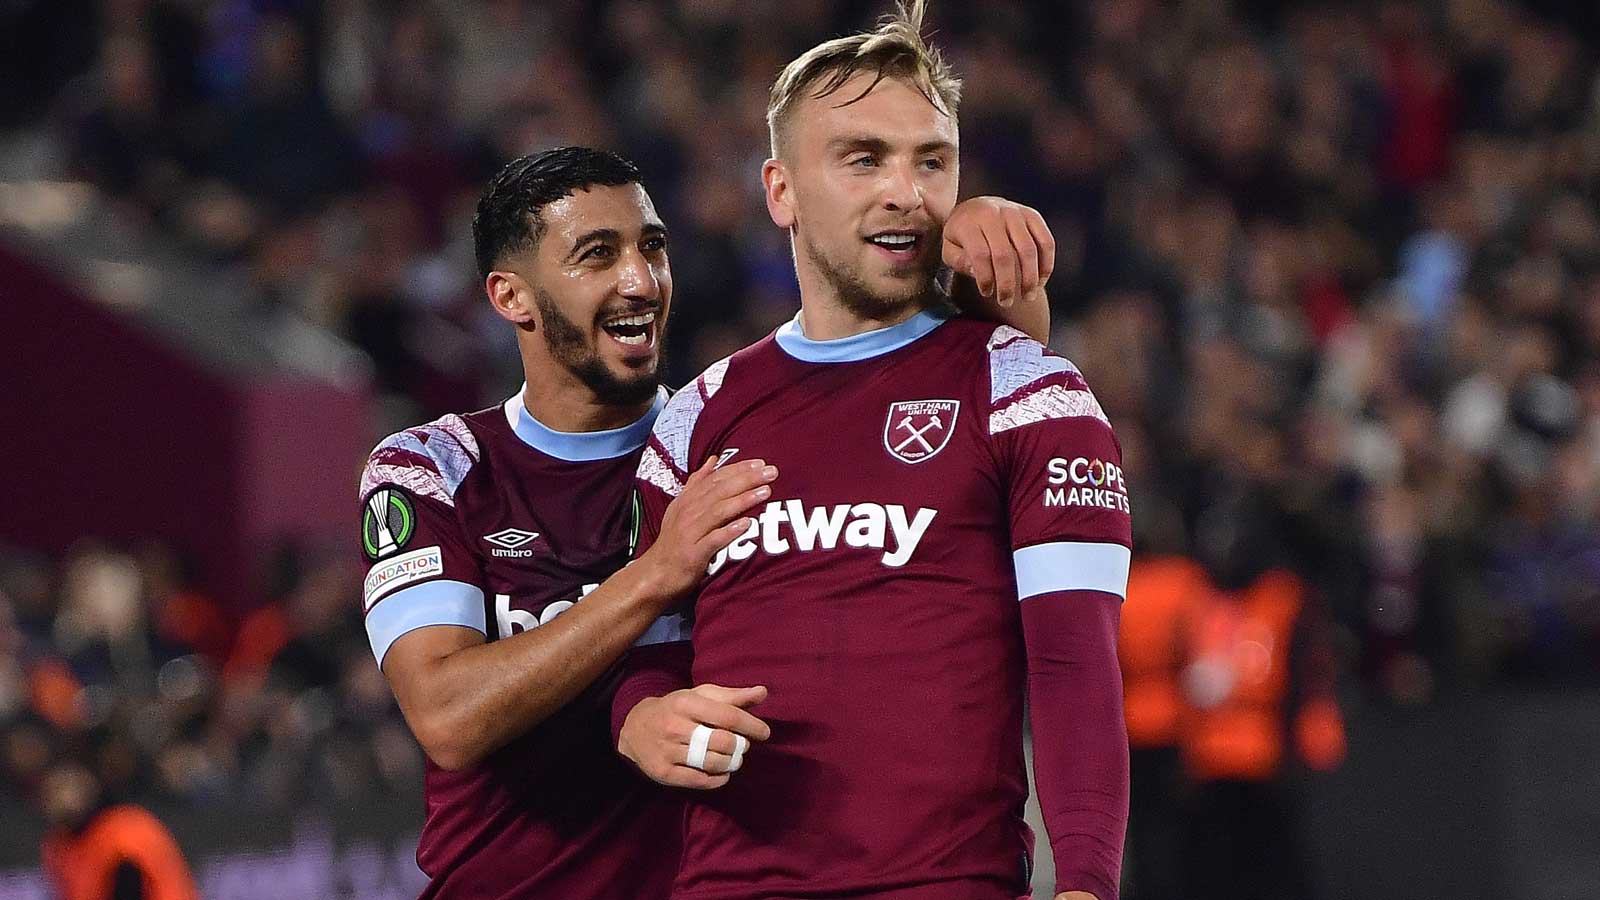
<point>895,240</point>
<point>633,340</point>
<point>644,319</point>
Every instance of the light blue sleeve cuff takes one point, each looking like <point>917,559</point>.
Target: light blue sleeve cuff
<point>666,630</point>
<point>1072,566</point>
<point>432,603</point>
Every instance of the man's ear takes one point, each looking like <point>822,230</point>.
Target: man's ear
<point>512,298</point>
<point>780,195</point>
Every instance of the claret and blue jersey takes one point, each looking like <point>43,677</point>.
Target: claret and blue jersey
<point>493,522</point>
<point>933,474</point>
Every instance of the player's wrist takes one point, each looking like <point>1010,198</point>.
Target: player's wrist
<point>656,580</point>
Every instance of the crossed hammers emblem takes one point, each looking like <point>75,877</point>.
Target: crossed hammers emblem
<point>917,433</point>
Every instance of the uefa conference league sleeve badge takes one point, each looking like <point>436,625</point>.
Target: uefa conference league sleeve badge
<point>636,521</point>
<point>387,522</point>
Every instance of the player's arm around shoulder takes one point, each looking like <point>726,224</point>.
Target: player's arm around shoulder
<point>463,696</point>
<point>1001,254</point>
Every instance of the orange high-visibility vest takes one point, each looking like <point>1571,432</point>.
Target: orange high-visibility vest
<point>82,866</point>
<point>1162,590</point>
<point>1237,682</point>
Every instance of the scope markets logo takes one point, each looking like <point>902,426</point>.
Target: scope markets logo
<point>1095,483</point>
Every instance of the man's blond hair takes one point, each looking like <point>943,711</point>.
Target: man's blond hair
<point>895,49</point>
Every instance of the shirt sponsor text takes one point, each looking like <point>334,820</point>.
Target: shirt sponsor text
<point>786,525</point>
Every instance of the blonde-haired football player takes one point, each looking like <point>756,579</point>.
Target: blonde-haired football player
<point>950,541</point>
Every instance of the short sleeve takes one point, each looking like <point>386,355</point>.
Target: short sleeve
<point>1068,498</point>
<point>421,569</point>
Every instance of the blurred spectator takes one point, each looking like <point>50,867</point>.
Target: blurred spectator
<point>1162,591</point>
<point>1257,685</point>
<point>97,850</point>
<point>183,616</point>
<point>128,141</point>
<point>1228,681</point>
<point>145,676</point>
<point>280,144</point>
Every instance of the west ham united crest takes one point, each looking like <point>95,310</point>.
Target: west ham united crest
<point>917,430</point>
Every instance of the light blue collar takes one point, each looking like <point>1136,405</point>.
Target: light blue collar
<point>856,347</point>
<point>581,446</point>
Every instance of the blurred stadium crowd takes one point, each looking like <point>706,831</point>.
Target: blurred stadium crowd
<point>1332,269</point>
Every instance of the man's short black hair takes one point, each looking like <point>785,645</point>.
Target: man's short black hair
<point>508,219</point>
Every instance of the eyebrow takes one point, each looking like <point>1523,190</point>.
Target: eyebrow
<point>879,145</point>
<point>589,237</point>
<point>611,235</point>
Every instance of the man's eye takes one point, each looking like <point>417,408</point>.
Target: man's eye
<point>865,162</point>
<point>655,244</point>
<point>933,164</point>
<point>598,252</point>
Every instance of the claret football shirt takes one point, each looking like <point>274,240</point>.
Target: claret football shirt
<point>494,522</point>
<point>939,479</point>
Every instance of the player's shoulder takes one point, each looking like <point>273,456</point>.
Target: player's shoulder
<point>429,460</point>
<point>706,391</point>
<point>666,454</point>
<point>994,344</point>
<point>1030,383</point>
<point>966,330</point>
<point>1016,360</point>
<point>665,462</point>
<point>693,396</point>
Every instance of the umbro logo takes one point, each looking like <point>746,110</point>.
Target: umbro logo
<point>511,541</point>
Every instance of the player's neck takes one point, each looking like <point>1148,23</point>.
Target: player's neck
<point>574,409</point>
<point>825,322</point>
<point>560,401</point>
<point>823,317</point>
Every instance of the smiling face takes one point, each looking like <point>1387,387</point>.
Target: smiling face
<point>597,286</point>
<point>866,187</point>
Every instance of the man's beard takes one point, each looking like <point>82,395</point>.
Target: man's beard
<point>570,346</point>
<point>858,298</point>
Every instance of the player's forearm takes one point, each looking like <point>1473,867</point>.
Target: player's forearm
<point>653,671</point>
<point>1080,746</point>
<point>478,698</point>
<point>1030,314</point>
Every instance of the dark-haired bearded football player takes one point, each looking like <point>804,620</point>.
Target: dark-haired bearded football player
<point>950,536</point>
<point>497,598</point>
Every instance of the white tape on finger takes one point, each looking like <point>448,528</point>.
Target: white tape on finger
<point>740,745</point>
<point>699,741</point>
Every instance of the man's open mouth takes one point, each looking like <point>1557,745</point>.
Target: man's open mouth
<point>636,330</point>
<point>899,245</point>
